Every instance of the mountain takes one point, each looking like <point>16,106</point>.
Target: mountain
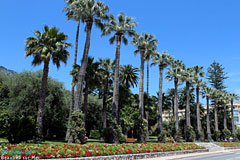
<point>7,71</point>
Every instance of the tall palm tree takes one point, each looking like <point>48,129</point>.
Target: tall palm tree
<point>73,12</point>
<point>187,77</point>
<point>106,66</point>
<point>51,44</point>
<point>121,27</point>
<point>91,80</point>
<point>215,96</point>
<point>225,99</point>
<point>92,13</point>
<point>207,92</point>
<point>198,73</point>
<point>162,60</point>
<point>175,73</point>
<point>129,75</point>
<point>143,42</point>
<point>232,97</point>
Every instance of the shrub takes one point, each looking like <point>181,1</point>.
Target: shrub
<point>226,134</point>
<point>21,129</point>
<point>190,134</point>
<point>142,129</point>
<point>76,127</point>
<point>95,134</point>
<point>162,137</point>
<point>179,137</point>
<point>217,135</point>
<point>113,133</point>
<point>238,133</point>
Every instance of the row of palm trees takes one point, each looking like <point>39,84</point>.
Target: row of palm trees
<point>51,45</point>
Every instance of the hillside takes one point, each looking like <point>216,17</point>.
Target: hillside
<point>7,71</point>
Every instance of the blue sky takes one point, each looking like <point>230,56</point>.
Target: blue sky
<point>195,31</point>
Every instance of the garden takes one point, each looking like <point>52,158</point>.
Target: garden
<point>88,150</point>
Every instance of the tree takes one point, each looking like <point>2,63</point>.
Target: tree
<point>73,12</point>
<point>216,76</point>
<point>46,46</point>
<point>106,66</point>
<point>216,94</point>
<point>143,42</point>
<point>232,97</point>
<point>162,60</point>
<point>187,76</point>
<point>92,12</point>
<point>129,75</point>
<point>174,73</point>
<point>207,92</point>
<point>121,27</point>
<point>198,73</point>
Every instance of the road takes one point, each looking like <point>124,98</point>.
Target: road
<point>218,155</point>
<point>233,155</point>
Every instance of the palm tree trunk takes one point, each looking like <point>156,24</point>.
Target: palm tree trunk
<point>85,103</point>
<point>116,84</point>
<point>39,126</point>
<point>141,95</point>
<point>116,80</point>
<point>82,72</point>
<point>146,114</point>
<point>188,121</point>
<point>104,112</point>
<point>233,125</point>
<point>160,99</point>
<point>208,121</point>
<point>176,106</point>
<point>68,134</point>
<point>216,114</point>
<point>225,117</point>
<point>199,125</point>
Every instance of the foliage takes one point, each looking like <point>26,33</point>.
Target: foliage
<point>19,101</point>
<point>238,133</point>
<point>48,151</point>
<point>162,137</point>
<point>95,134</point>
<point>190,134</point>
<point>226,134</point>
<point>113,133</point>
<point>217,135</point>
<point>76,127</point>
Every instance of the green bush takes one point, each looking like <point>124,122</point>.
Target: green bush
<point>190,134</point>
<point>141,125</point>
<point>113,133</point>
<point>162,137</point>
<point>238,133</point>
<point>95,134</point>
<point>21,129</point>
<point>216,135</point>
<point>226,134</point>
<point>77,128</point>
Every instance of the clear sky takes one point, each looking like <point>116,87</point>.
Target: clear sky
<point>195,31</point>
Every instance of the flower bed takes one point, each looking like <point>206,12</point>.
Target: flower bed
<point>71,151</point>
<point>229,144</point>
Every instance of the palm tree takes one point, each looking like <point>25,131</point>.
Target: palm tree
<point>162,60</point>
<point>232,97</point>
<point>207,92</point>
<point>129,75</point>
<point>51,44</point>
<point>73,12</point>
<point>175,73</point>
<point>143,42</point>
<point>225,99</point>
<point>187,76</point>
<point>106,66</point>
<point>121,27</point>
<point>92,12</point>
<point>215,96</point>
<point>91,80</point>
<point>198,73</point>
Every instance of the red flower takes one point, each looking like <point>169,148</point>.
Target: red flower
<point>88,153</point>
